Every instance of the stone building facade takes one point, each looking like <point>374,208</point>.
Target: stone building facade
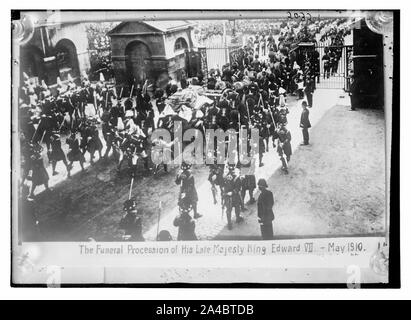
<point>150,50</point>
<point>56,51</point>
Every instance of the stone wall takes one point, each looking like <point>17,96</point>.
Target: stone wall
<point>44,43</point>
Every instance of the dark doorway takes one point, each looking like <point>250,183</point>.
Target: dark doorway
<point>137,62</point>
<point>66,58</point>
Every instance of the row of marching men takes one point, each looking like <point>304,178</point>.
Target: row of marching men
<point>230,183</point>
<point>243,108</point>
<point>74,110</point>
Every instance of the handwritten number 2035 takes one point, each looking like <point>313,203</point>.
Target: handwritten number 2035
<point>300,15</point>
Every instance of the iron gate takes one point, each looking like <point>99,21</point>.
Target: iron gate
<point>333,65</point>
<point>215,56</point>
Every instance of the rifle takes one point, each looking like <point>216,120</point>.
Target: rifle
<point>248,111</point>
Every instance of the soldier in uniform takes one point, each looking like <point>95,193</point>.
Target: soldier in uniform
<point>94,143</point>
<point>284,146</point>
<point>75,153</point>
<point>248,182</point>
<point>309,90</point>
<point>131,223</point>
<point>39,174</point>
<point>232,198</point>
<point>188,191</point>
<point>57,153</point>
<point>215,178</point>
<point>185,223</point>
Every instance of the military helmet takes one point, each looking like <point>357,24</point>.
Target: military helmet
<point>129,205</point>
<point>185,166</point>
<point>184,205</point>
<point>231,167</point>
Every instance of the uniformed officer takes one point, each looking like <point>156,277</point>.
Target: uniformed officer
<point>284,146</point>
<point>188,191</point>
<point>232,198</point>
<point>184,222</point>
<point>131,223</point>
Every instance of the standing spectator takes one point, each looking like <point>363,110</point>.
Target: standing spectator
<point>305,123</point>
<point>265,212</point>
<point>309,90</point>
<point>354,92</point>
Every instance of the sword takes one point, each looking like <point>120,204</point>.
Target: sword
<point>35,132</point>
<point>44,133</point>
<point>62,122</point>
<point>131,92</point>
<point>106,99</point>
<point>158,220</point>
<point>131,188</point>
<point>222,207</point>
<point>248,111</point>
<point>95,102</point>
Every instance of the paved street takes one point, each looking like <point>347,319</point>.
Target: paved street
<point>213,224</point>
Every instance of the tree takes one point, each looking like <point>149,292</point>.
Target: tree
<point>100,49</point>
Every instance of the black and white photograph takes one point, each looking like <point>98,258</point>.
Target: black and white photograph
<point>205,134</point>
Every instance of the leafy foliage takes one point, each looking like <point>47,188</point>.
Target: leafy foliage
<point>100,49</point>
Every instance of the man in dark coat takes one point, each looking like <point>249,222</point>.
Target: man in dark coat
<point>131,223</point>
<point>188,191</point>
<point>309,90</point>
<point>265,212</point>
<point>232,197</point>
<point>186,224</point>
<point>305,123</point>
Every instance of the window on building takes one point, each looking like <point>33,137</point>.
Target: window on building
<point>180,44</point>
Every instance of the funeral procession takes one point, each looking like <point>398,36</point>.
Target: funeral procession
<point>182,130</point>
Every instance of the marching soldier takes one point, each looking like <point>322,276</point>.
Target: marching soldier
<point>248,182</point>
<point>57,154</point>
<point>232,198</point>
<point>75,153</point>
<point>185,223</point>
<point>188,191</point>
<point>39,174</point>
<point>131,223</point>
<point>215,178</point>
<point>284,146</point>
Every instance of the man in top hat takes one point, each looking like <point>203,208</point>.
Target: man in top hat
<point>131,223</point>
<point>188,191</point>
<point>265,212</point>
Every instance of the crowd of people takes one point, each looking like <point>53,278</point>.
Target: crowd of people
<point>248,93</point>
